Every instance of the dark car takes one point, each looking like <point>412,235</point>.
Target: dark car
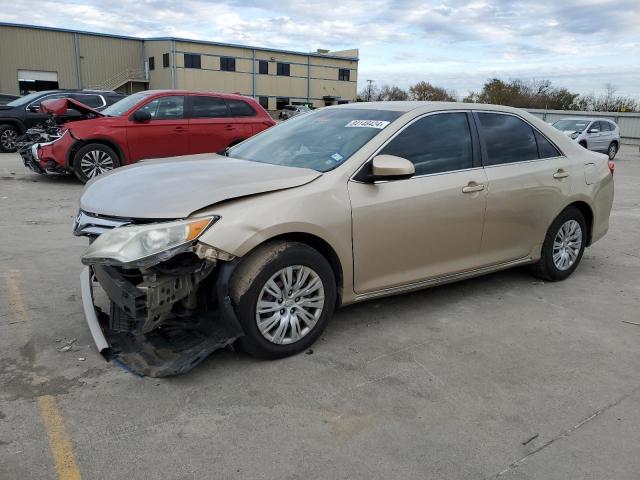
<point>145,125</point>
<point>17,116</point>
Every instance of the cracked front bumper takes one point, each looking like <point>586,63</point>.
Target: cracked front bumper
<point>181,340</point>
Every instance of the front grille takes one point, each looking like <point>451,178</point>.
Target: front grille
<point>90,225</point>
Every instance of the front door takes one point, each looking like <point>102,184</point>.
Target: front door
<point>165,135</point>
<point>430,225</point>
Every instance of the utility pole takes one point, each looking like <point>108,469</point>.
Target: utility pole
<point>370,82</point>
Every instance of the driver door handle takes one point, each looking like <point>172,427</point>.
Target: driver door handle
<point>473,187</point>
<point>561,173</point>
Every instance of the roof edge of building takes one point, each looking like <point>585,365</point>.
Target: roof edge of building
<point>332,55</point>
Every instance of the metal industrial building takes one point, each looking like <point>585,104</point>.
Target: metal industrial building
<point>40,58</point>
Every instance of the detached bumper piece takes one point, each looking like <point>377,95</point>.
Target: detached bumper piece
<point>165,321</point>
<point>29,154</point>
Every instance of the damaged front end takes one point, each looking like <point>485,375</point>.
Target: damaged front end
<point>155,300</point>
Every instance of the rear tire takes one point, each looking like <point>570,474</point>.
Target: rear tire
<point>8,138</point>
<point>284,294</point>
<point>613,150</point>
<point>563,246</point>
<point>94,159</point>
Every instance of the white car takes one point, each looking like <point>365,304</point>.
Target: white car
<point>597,134</point>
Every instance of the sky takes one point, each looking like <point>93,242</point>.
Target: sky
<point>578,44</point>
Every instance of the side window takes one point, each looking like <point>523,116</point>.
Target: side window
<point>93,101</point>
<point>36,103</point>
<point>594,127</point>
<point>507,139</point>
<point>612,127</point>
<point>545,148</point>
<point>605,127</point>
<point>208,107</point>
<point>436,143</point>
<point>165,108</point>
<point>240,109</point>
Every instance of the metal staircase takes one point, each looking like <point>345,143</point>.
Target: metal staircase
<point>129,75</point>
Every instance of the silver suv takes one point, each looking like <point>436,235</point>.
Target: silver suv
<point>597,134</point>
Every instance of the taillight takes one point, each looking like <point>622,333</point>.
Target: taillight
<point>612,166</point>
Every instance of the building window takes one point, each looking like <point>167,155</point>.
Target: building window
<point>281,102</point>
<point>263,67</point>
<point>165,60</point>
<point>284,70</point>
<point>264,102</point>
<point>191,60</point>
<point>152,63</point>
<point>343,74</point>
<point>228,64</point>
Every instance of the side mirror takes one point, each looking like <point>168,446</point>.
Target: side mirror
<point>593,130</point>
<point>141,116</point>
<point>386,167</point>
<point>34,108</point>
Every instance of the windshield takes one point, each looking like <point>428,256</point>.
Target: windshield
<point>26,99</point>
<point>320,140</point>
<point>122,106</point>
<point>571,125</point>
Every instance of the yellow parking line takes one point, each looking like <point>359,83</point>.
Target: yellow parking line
<point>59,442</point>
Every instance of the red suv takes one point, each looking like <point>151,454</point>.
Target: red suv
<point>150,124</point>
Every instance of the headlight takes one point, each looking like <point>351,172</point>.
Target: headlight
<point>575,135</point>
<point>145,244</point>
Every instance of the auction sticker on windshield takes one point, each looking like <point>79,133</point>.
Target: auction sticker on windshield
<point>379,124</point>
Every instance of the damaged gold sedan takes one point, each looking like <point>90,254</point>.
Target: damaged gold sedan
<point>259,246</point>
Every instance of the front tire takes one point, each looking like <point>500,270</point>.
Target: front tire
<point>8,138</point>
<point>613,150</point>
<point>284,294</point>
<point>563,246</point>
<point>94,159</point>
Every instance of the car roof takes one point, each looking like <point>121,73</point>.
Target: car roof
<point>408,106</point>
<point>588,119</point>
<point>195,92</point>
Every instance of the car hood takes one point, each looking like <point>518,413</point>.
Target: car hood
<point>6,107</point>
<point>59,107</point>
<point>176,187</point>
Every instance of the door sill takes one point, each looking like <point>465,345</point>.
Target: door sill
<point>434,281</point>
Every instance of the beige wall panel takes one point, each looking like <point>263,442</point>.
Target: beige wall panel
<point>208,81</point>
<point>281,86</point>
<point>35,49</point>
<point>103,58</point>
<point>321,88</point>
<point>213,49</point>
<point>160,78</point>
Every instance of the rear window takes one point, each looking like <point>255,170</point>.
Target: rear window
<point>208,107</point>
<point>507,139</point>
<point>240,109</point>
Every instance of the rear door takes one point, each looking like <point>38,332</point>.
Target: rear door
<point>245,119</point>
<point>210,124</point>
<point>165,135</point>
<point>529,181</point>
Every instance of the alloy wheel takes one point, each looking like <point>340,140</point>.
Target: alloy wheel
<point>8,139</point>
<point>95,162</point>
<point>567,245</point>
<point>290,304</point>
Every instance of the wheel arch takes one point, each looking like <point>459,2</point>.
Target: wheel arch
<point>81,143</point>
<point>14,122</point>
<point>320,245</point>
<point>587,212</point>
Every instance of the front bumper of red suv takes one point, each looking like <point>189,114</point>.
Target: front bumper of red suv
<point>51,157</point>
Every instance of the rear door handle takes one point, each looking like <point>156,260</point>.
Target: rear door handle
<point>229,127</point>
<point>561,174</point>
<point>478,187</point>
<point>181,129</point>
